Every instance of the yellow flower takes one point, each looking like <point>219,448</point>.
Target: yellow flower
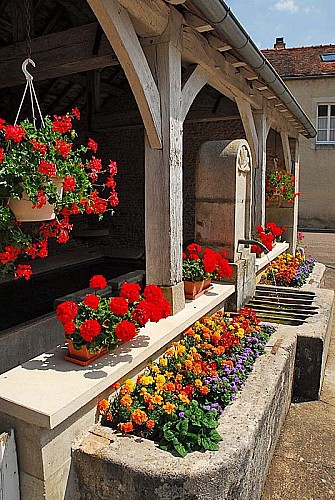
<point>156,399</point>
<point>240,333</point>
<point>178,366</point>
<point>163,362</point>
<point>198,382</point>
<point>146,380</point>
<point>143,391</point>
<point>130,384</point>
<point>155,369</point>
<point>193,350</point>
<point>160,379</point>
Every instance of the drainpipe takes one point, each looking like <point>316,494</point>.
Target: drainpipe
<point>226,25</point>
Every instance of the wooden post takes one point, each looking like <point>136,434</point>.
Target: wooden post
<point>247,118</point>
<point>262,130</point>
<point>163,174</point>
<point>296,200</point>
<point>286,150</point>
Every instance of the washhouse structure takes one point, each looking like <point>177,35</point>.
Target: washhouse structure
<point>179,95</point>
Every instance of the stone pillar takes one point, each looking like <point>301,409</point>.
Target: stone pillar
<point>223,195</point>
<point>223,209</point>
<point>163,174</point>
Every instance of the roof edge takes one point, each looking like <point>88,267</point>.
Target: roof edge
<point>227,26</point>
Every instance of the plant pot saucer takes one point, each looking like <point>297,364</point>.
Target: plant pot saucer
<point>87,362</point>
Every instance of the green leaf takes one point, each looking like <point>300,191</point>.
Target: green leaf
<point>208,444</point>
<point>169,435</point>
<point>181,450</point>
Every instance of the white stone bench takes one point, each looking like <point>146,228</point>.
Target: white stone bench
<point>49,401</point>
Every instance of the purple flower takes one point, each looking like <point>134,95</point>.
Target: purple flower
<point>181,414</point>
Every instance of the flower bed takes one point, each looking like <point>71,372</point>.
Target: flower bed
<point>178,400</point>
<point>288,270</point>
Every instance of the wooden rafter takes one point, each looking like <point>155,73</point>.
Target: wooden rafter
<point>120,31</point>
<point>249,127</point>
<point>56,55</point>
<point>149,18</point>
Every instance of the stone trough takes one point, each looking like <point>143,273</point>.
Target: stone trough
<point>111,466</point>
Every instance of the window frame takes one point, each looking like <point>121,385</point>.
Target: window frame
<point>328,104</point>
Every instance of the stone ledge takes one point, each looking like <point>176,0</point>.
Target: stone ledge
<point>114,467</point>
<point>279,248</point>
<point>316,277</point>
<point>46,390</point>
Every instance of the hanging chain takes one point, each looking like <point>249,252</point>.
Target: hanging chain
<point>28,28</point>
<point>29,77</point>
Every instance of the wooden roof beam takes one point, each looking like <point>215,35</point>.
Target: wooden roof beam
<point>55,55</point>
<point>120,31</point>
<point>196,22</point>
<point>222,75</point>
<point>149,18</point>
<point>217,43</point>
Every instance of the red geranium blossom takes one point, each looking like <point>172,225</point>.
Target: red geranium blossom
<point>64,148</point>
<point>10,254</point>
<point>62,124</point>
<point>92,301</point>
<point>69,183</point>
<point>130,291</point>
<point>125,330</point>
<point>152,293</point>
<point>39,146</point>
<point>69,328</point>
<point>66,311</point>
<point>92,145</point>
<point>14,133</point>
<point>118,305</point>
<point>98,281</point>
<point>41,199</point>
<point>47,168</point>
<point>76,113</point>
<point>194,248</point>
<point>23,271</point>
<point>90,329</point>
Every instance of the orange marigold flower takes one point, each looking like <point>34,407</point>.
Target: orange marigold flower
<point>183,398</point>
<point>156,399</point>
<point>109,417</point>
<point>126,427</point>
<point>139,417</point>
<point>103,405</point>
<point>170,386</point>
<point>126,401</point>
<point>150,424</point>
<point>204,390</point>
<point>169,408</point>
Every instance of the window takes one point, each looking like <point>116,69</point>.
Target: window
<point>326,123</point>
<point>328,57</point>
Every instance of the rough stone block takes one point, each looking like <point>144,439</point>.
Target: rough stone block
<point>129,468</point>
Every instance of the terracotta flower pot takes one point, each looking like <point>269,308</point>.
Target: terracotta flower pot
<point>24,211</point>
<point>82,356</point>
<point>194,289</point>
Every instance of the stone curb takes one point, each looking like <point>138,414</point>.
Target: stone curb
<point>114,467</point>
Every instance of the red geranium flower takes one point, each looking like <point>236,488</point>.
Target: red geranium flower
<point>76,113</point>
<point>130,291</point>
<point>14,132</point>
<point>47,168</point>
<point>69,183</point>
<point>69,328</point>
<point>23,271</point>
<point>39,146</point>
<point>66,311</point>
<point>91,301</point>
<point>64,148</point>
<point>92,145</point>
<point>118,305</point>
<point>98,281</point>
<point>125,330</point>
<point>62,124</point>
<point>90,329</point>
<point>112,167</point>
<point>152,293</point>
<point>194,248</point>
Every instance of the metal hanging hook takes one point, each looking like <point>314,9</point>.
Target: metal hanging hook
<point>25,63</point>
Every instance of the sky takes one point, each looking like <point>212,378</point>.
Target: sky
<point>300,22</point>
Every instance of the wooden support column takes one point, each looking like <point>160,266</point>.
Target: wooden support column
<point>247,118</point>
<point>163,172</point>
<point>296,200</point>
<point>286,150</point>
<point>262,130</point>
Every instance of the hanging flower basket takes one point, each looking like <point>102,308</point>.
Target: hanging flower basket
<point>26,211</point>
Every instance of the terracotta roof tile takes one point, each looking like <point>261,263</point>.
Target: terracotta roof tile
<point>301,61</point>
